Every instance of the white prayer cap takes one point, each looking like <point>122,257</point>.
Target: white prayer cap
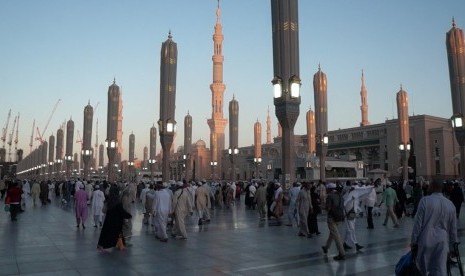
<point>180,183</point>
<point>277,184</point>
<point>389,183</point>
<point>97,187</point>
<point>165,184</point>
<point>81,186</point>
<point>331,186</point>
<point>172,182</point>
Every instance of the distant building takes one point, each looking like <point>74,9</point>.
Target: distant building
<point>434,153</point>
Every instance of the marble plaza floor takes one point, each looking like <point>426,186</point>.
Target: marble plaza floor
<point>45,241</point>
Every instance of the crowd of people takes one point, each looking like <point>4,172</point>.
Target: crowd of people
<point>166,207</point>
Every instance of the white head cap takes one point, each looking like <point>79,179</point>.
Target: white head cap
<point>331,186</point>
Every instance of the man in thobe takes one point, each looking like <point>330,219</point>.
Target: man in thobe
<point>126,200</point>
<point>351,201</point>
<point>149,197</point>
<point>304,207</point>
<point>277,205</point>
<point>35,192</point>
<point>434,232</point>
<point>89,189</point>
<point>322,193</point>
<point>161,210</point>
<point>26,193</point>
<point>292,213</point>
<point>182,206</point>
<point>370,202</point>
<point>132,191</point>
<point>260,199</point>
<point>143,199</point>
<point>80,206</point>
<point>98,199</point>
<point>202,202</point>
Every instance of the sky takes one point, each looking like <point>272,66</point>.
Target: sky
<point>72,50</point>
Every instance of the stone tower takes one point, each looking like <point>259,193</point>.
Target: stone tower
<point>364,106</point>
<point>167,121</point>
<point>268,127</point>
<point>217,123</point>
<point>311,146</point>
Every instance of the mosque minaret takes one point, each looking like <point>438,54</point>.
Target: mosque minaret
<point>217,123</point>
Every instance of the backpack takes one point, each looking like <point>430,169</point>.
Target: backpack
<point>337,210</point>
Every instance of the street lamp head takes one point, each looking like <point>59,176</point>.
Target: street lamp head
<point>457,121</point>
<point>325,139</point>
<point>295,86</point>
<point>277,87</point>
<point>401,147</point>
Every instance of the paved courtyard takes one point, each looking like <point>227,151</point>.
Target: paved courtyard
<point>45,241</point>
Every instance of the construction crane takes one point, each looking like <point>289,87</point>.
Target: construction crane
<point>96,143</point>
<point>31,143</point>
<point>79,140</point>
<point>40,134</point>
<point>16,137</point>
<point>96,137</point>
<point>10,139</point>
<point>5,129</point>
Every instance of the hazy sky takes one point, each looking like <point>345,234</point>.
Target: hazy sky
<point>72,50</point>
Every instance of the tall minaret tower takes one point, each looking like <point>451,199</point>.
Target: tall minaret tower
<point>311,144</point>
<point>364,106</point>
<point>455,43</point>
<point>217,123</point>
<point>119,131</point>
<point>268,127</point>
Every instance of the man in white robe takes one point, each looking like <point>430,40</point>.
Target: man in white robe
<point>26,194</point>
<point>351,201</point>
<point>182,206</point>
<point>89,188</point>
<point>292,211</point>
<point>143,197</point>
<point>202,202</point>
<point>98,199</point>
<point>162,209</point>
<point>434,232</point>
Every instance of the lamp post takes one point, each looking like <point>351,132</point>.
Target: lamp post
<point>68,161</point>
<point>269,168</point>
<point>257,161</point>
<point>286,81</point>
<point>86,156</point>
<point>322,148</point>
<point>455,44</point>
<point>131,167</point>
<point>58,163</point>
<point>152,166</point>
<point>213,164</point>
<point>232,152</point>
<point>111,146</point>
<point>404,149</point>
<point>459,130</point>
<point>186,158</point>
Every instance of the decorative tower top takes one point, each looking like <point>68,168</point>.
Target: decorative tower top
<point>364,105</point>
<point>218,13</point>
<point>453,21</point>
<point>268,127</point>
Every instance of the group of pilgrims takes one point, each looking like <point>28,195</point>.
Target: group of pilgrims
<point>167,206</point>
